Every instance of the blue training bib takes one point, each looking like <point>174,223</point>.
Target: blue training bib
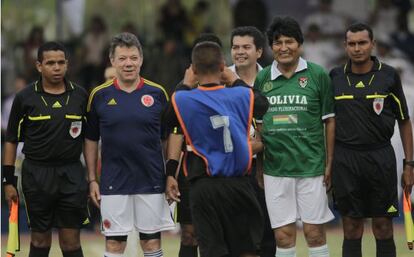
<point>216,122</point>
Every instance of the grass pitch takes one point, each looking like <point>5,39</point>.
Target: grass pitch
<point>93,244</point>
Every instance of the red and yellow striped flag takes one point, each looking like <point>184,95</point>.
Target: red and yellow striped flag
<point>408,220</point>
<point>13,242</point>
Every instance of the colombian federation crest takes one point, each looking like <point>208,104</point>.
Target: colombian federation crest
<point>303,81</point>
<point>106,224</point>
<point>147,100</point>
<point>378,105</point>
<point>75,129</point>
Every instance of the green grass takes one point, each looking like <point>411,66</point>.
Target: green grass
<point>93,244</point>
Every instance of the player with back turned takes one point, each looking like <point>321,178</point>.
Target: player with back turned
<point>188,244</point>
<point>220,138</point>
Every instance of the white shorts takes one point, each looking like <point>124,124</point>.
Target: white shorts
<point>146,213</point>
<point>289,199</point>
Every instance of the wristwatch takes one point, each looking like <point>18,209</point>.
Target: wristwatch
<point>409,163</point>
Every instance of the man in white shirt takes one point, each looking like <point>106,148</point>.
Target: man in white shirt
<point>247,45</point>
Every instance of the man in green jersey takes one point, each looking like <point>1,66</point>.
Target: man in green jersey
<point>296,128</point>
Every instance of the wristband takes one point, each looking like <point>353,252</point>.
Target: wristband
<point>409,163</point>
<point>171,167</point>
<point>8,176</point>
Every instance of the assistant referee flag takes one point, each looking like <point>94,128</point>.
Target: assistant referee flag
<point>408,220</point>
<point>13,241</point>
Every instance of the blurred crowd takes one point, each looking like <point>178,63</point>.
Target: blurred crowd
<point>167,56</point>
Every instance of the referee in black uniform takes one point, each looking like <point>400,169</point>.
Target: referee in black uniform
<point>368,99</point>
<point>48,117</point>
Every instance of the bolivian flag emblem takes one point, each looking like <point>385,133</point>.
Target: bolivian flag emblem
<point>285,119</point>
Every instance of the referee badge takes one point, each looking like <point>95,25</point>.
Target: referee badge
<point>303,81</point>
<point>147,100</point>
<point>378,105</point>
<point>75,129</point>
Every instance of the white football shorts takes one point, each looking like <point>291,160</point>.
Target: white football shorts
<point>289,199</point>
<point>146,213</point>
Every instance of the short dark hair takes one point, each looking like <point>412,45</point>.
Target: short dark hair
<point>51,46</point>
<point>251,31</point>
<point>207,57</point>
<point>124,39</point>
<point>359,26</point>
<point>207,37</point>
<point>284,26</point>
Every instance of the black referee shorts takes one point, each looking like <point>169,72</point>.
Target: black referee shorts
<point>195,165</point>
<point>55,196</point>
<point>365,182</point>
<point>226,215</point>
<point>183,207</point>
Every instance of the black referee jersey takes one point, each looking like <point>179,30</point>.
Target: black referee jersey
<point>51,126</point>
<point>367,105</point>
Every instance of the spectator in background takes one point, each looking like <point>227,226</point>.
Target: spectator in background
<point>198,22</point>
<point>94,44</point>
<point>130,27</point>
<point>384,18</point>
<point>393,57</point>
<point>320,50</point>
<point>173,20</point>
<point>30,47</point>
<point>74,12</point>
<point>174,63</point>
<point>8,66</point>
<point>403,39</point>
<point>331,24</point>
<point>19,84</point>
<point>110,73</point>
<point>250,13</point>
<point>404,7</point>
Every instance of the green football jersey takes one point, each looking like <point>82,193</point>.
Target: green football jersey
<point>293,128</point>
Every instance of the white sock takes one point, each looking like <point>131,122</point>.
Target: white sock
<point>320,251</point>
<point>286,252</point>
<point>157,253</point>
<point>108,254</point>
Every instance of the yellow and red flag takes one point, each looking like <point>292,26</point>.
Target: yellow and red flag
<point>408,220</point>
<point>13,241</point>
